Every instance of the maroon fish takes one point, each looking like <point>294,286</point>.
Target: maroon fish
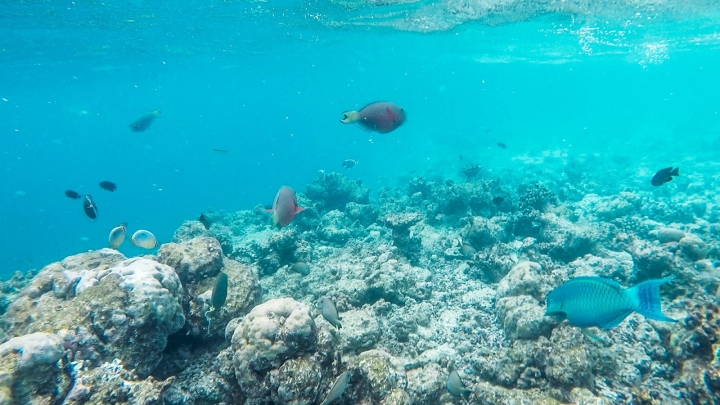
<point>285,207</point>
<point>382,117</point>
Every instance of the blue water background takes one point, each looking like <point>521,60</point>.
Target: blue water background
<point>270,87</point>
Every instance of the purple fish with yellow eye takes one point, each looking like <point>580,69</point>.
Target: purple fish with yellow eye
<point>382,117</point>
<point>285,207</point>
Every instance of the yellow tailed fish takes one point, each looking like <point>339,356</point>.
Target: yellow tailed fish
<point>144,239</point>
<point>117,236</point>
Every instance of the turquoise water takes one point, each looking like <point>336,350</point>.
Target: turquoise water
<point>269,81</point>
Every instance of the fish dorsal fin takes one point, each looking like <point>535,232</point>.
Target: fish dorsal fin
<point>615,322</point>
<point>611,283</point>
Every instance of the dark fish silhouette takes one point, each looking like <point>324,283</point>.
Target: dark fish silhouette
<point>89,207</point>
<point>349,163</point>
<point>72,194</point>
<point>664,175</point>
<point>382,117</point>
<point>205,221</point>
<point>222,151</point>
<point>502,145</point>
<point>498,200</point>
<point>143,122</point>
<point>108,185</point>
<point>219,292</point>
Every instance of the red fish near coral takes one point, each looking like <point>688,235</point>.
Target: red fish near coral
<point>285,207</point>
<point>382,117</point>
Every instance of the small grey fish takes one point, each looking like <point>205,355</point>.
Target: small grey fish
<point>301,267</point>
<point>338,388</point>
<point>455,385</point>
<point>329,311</point>
<point>219,292</point>
<point>349,163</point>
<point>143,122</point>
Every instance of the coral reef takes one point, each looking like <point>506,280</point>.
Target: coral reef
<point>433,277</point>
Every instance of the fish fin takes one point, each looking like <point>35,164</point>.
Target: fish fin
<point>586,332</point>
<point>389,112</point>
<point>675,172</point>
<point>298,209</point>
<point>615,322</point>
<point>612,283</point>
<point>269,210</point>
<point>646,298</point>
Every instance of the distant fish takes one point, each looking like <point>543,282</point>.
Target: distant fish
<point>117,236</point>
<point>329,311</point>
<point>338,388</point>
<point>205,221</point>
<point>455,385</point>
<point>219,292</point>
<point>467,251</point>
<point>595,301</point>
<point>89,207</point>
<point>498,200</point>
<point>72,194</point>
<point>108,185</point>
<point>143,122</point>
<point>221,151</point>
<point>382,117</point>
<point>144,239</point>
<point>502,145</point>
<point>664,175</point>
<point>301,267</point>
<point>285,207</point>
<point>349,163</point>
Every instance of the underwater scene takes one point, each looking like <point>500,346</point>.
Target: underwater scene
<point>335,202</point>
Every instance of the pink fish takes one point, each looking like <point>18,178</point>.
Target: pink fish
<point>382,117</point>
<point>285,207</point>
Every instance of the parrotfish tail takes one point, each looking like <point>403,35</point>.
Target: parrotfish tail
<point>648,299</point>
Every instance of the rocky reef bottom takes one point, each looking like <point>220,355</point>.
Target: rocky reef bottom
<point>434,277</point>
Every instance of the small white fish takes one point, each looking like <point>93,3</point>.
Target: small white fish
<point>117,236</point>
<point>338,388</point>
<point>144,239</point>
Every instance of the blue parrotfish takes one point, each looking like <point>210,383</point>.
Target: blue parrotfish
<point>595,301</point>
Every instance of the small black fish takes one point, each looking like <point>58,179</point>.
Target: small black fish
<point>205,221</point>
<point>664,175</point>
<point>108,185</point>
<point>222,151</point>
<point>219,292</point>
<point>90,208</point>
<point>502,145</point>
<point>72,194</point>
<point>349,163</point>
<point>498,200</point>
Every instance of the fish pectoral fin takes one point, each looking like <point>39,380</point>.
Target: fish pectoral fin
<point>298,209</point>
<point>615,322</point>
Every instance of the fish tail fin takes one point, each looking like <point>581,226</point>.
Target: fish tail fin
<point>646,297</point>
<point>675,172</point>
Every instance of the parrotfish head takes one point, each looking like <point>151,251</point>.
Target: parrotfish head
<point>349,117</point>
<point>555,310</point>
